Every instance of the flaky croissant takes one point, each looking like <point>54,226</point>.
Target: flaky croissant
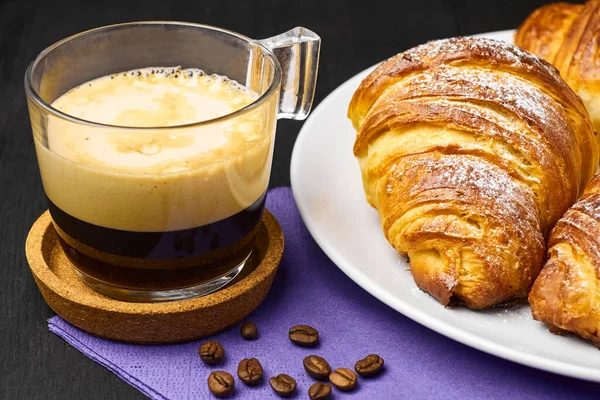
<point>566,35</point>
<point>566,294</point>
<point>471,150</point>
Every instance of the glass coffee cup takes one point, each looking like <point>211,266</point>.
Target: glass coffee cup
<point>156,211</point>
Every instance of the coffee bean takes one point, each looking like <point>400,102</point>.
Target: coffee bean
<point>344,379</point>
<point>317,367</point>
<point>211,352</point>
<point>304,335</point>
<point>220,383</point>
<point>319,391</point>
<point>249,331</point>
<point>250,371</point>
<point>284,385</point>
<point>369,366</point>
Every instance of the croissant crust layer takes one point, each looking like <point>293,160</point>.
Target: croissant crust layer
<point>566,35</point>
<point>565,295</point>
<point>471,150</point>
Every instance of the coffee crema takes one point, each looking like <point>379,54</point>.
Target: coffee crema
<point>149,197</point>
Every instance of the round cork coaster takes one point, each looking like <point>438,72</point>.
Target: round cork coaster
<point>165,322</point>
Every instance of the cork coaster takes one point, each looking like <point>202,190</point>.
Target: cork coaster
<point>165,322</point>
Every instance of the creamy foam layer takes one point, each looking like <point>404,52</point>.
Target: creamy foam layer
<point>157,180</point>
<point>155,97</point>
<point>152,97</point>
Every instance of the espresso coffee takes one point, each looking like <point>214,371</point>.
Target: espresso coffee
<point>142,208</point>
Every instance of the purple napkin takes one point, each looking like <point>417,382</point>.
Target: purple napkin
<point>309,289</point>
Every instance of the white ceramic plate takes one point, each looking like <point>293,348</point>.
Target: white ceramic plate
<point>327,186</point>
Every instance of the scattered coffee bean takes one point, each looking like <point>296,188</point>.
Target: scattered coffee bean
<point>284,385</point>
<point>369,366</point>
<point>304,335</point>
<point>211,352</point>
<point>250,371</point>
<point>319,391</point>
<point>344,379</point>
<point>317,367</point>
<point>220,383</point>
<point>249,331</point>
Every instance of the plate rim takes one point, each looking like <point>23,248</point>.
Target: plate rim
<point>465,337</point>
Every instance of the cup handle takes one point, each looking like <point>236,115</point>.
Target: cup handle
<point>298,53</point>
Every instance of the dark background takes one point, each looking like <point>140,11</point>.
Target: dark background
<point>34,363</point>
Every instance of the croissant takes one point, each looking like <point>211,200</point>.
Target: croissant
<point>471,150</point>
<point>565,295</point>
<point>566,35</point>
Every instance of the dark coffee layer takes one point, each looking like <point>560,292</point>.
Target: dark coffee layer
<point>162,245</point>
<point>139,277</point>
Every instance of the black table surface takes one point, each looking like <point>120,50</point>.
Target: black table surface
<point>34,363</point>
